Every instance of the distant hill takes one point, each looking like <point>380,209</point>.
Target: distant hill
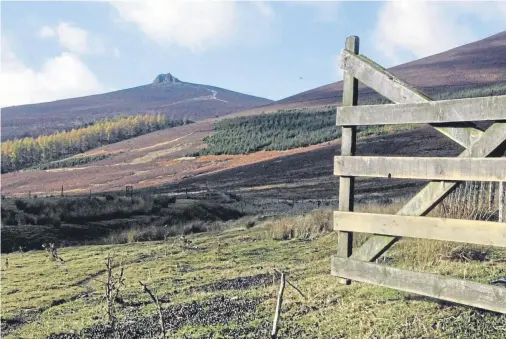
<point>166,94</point>
<point>161,157</point>
<point>476,65</point>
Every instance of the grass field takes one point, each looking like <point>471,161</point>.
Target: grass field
<point>222,284</point>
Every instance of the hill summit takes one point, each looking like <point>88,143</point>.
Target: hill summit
<point>166,79</point>
<point>166,94</point>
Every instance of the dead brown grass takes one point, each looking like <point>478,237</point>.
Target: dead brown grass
<point>471,201</point>
<point>419,254</point>
<point>424,254</point>
<point>308,226</point>
<point>319,222</point>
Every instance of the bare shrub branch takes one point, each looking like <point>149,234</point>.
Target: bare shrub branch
<point>112,289</point>
<point>153,297</point>
<point>52,253</point>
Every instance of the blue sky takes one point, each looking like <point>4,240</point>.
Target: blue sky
<point>56,50</point>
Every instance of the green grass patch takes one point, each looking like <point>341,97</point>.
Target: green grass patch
<point>177,275</point>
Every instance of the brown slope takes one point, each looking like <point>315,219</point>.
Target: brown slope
<point>166,94</point>
<point>146,161</point>
<point>309,174</point>
<point>474,65</point>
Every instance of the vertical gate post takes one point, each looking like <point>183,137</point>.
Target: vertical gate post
<point>348,145</point>
<point>501,202</point>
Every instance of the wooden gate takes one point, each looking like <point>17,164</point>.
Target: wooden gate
<point>476,163</point>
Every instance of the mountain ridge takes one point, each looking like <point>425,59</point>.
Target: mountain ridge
<point>165,94</point>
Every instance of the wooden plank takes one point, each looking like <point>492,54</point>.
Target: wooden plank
<point>377,78</point>
<point>492,140</point>
<point>465,292</point>
<point>348,147</point>
<point>474,109</point>
<point>450,169</point>
<point>467,231</point>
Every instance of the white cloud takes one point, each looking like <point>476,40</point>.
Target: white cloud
<point>46,32</point>
<point>420,29</point>
<point>61,77</point>
<point>73,38</point>
<point>198,25</point>
<point>254,24</point>
<point>116,52</point>
<point>194,25</point>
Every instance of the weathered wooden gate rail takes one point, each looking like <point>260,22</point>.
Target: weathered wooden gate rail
<point>454,119</point>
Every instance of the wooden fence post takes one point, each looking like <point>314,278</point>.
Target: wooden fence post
<point>348,146</point>
<point>501,201</point>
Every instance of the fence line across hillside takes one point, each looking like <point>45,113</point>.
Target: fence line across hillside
<point>480,164</point>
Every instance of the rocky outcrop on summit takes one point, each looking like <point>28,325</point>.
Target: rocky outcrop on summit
<point>166,79</point>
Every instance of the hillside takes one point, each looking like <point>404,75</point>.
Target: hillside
<point>160,157</point>
<point>166,94</point>
<point>478,64</point>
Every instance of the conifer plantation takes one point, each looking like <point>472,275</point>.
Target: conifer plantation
<point>280,131</point>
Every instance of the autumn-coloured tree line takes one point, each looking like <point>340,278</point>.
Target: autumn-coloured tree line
<point>27,152</point>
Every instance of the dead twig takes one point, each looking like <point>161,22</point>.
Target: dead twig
<point>153,297</point>
<point>291,284</point>
<point>277,314</point>
<point>52,252</point>
<point>185,243</point>
<point>112,288</point>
